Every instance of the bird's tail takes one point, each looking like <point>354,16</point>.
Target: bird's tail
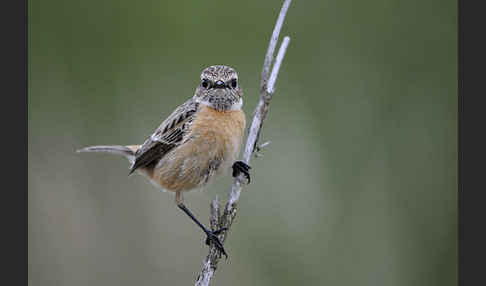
<point>127,151</point>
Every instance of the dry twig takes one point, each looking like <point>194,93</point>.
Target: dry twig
<point>267,88</point>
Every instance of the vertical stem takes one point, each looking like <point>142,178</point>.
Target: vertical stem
<point>266,91</point>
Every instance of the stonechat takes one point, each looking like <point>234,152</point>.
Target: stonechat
<point>199,141</point>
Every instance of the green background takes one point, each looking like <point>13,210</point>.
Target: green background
<point>359,184</point>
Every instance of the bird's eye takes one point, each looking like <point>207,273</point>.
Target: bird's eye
<point>234,83</point>
<point>205,83</point>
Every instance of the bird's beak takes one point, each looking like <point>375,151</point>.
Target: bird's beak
<point>219,84</point>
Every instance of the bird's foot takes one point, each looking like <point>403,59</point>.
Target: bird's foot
<point>241,167</point>
<point>213,236</point>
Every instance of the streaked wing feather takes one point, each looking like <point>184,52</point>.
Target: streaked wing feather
<point>169,134</point>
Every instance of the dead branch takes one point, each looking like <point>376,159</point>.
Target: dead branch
<point>267,88</point>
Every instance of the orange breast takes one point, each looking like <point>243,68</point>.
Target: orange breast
<point>214,144</point>
<point>227,125</point>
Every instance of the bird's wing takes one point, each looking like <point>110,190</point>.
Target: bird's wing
<point>170,134</point>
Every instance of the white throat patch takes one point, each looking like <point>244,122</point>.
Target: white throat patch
<point>235,106</point>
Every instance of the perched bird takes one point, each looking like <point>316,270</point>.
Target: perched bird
<point>197,142</point>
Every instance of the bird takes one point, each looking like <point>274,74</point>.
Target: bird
<point>198,142</point>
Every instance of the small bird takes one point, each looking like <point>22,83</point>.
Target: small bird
<point>199,141</point>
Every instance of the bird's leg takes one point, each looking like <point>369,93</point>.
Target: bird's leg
<point>241,167</point>
<point>210,235</point>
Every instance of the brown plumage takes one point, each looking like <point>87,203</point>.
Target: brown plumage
<point>198,141</point>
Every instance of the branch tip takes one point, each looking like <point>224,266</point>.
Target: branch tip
<point>276,66</point>
<point>273,43</point>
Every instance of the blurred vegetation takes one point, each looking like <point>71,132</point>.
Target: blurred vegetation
<point>357,188</point>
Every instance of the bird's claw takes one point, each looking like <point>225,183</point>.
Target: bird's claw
<point>241,167</point>
<point>213,236</point>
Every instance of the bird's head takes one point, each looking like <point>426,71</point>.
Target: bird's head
<point>219,88</point>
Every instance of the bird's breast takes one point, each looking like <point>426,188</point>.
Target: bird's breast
<point>212,145</point>
<point>224,128</point>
